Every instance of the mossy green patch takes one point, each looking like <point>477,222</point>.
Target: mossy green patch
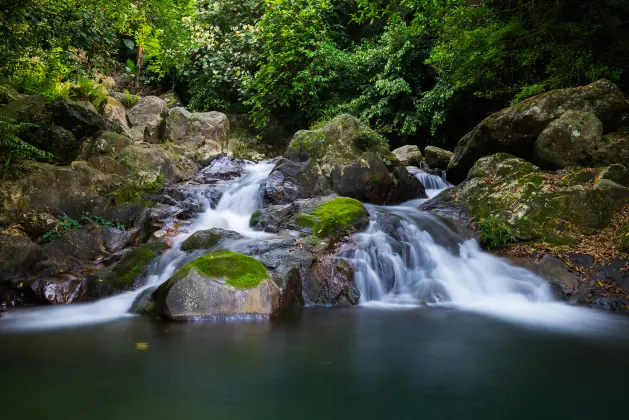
<point>240,271</point>
<point>207,240</point>
<point>131,266</point>
<point>337,217</point>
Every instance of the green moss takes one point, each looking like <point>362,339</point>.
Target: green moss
<point>201,242</point>
<point>335,217</point>
<point>367,139</point>
<point>311,142</point>
<point>131,266</point>
<point>136,191</point>
<point>240,271</point>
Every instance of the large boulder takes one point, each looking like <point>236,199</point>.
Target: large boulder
<point>515,129</point>
<point>437,158</point>
<point>354,160</point>
<point>290,181</point>
<point>218,285</point>
<point>409,155</point>
<point>194,130</point>
<point>569,140</point>
<point>147,110</point>
<point>82,120</point>
<point>535,205</point>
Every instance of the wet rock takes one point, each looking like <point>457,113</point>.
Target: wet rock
<point>437,158</point>
<point>564,281</point>
<point>514,130</point>
<point>206,239</point>
<point>354,160</point>
<point>20,256</point>
<point>331,283</point>
<point>218,285</point>
<point>290,181</point>
<point>409,155</point>
<point>569,140</point>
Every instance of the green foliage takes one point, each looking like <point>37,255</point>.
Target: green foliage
<point>129,99</point>
<point>336,217</point>
<point>494,233</point>
<point>66,224</point>
<point>238,270</point>
<point>528,92</point>
<point>12,147</point>
<point>88,90</point>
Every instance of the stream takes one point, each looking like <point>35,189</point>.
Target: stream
<point>443,330</point>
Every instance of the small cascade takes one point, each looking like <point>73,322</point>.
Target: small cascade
<point>432,182</point>
<point>411,257</point>
<point>241,197</point>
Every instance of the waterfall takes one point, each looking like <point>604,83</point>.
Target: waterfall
<point>241,197</point>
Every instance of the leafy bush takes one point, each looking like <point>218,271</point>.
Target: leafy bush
<point>494,233</point>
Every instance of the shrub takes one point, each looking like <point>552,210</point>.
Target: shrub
<point>494,233</point>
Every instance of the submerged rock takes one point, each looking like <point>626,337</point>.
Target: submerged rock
<point>218,285</point>
<point>353,159</point>
<point>515,129</point>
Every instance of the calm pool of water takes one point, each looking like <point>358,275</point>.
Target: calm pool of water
<point>429,363</point>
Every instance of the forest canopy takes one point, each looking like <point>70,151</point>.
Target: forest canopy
<point>418,71</point>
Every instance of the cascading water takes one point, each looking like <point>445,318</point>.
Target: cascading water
<point>239,200</point>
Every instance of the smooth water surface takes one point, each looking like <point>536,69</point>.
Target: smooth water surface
<point>361,363</point>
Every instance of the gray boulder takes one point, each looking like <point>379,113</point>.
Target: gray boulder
<point>409,155</point>
<point>569,140</point>
<point>194,130</point>
<point>147,110</point>
<point>437,158</point>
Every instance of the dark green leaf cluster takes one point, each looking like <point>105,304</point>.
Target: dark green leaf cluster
<point>66,224</point>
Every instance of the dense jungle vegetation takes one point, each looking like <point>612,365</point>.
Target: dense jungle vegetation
<point>418,71</point>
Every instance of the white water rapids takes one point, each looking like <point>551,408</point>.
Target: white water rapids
<point>406,258</point>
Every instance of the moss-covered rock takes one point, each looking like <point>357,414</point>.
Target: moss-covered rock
<point>353,159</point>
<point>219,284</point>
<point>31,108</point>
<point>613,148</point>
<point>132,266</point>
<point>338,217</point>
<point>556,207</point>
<point>321,216</point>
<point>206,239</point>
<point>515,129</point>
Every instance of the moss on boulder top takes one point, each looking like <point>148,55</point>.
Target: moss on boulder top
<point>238,270</point>
<point>219,284</point>
<point>555,207</point>
<point>205,239</point>
<point>338,217</point>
